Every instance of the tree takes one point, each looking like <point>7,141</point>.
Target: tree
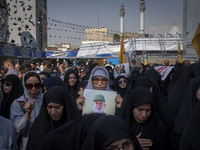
<point>116,38</point>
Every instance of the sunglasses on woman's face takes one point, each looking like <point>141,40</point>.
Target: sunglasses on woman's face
<point>8,83</point>
<point>30,86</point>
<point>121,81</point>
<point>96,80</point>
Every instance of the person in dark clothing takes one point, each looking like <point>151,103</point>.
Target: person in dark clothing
<point>177,73</point>
<point>139,113</point>
<point>121,85</point>
<point>190,136</point>
<point>12,89</point>
<point>51,82</point>
<point>160,98</point>
<point>57,109</point>
<point>107,132</point>
<point>176,95</point>
<point>187,108</point>
<point>71,82</point>
<point>71,135</point>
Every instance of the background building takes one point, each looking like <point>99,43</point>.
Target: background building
<point>24,23</point>
<point>97,35</point>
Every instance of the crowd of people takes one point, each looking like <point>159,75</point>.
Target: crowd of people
<point>41,106</point>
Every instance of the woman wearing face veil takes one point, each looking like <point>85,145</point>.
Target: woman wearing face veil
<point>139,113</point>
<point>187,108</point>
<point>110,133</point>
<point>56,110</point>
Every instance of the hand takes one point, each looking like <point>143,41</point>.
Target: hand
<point>29,106</point>
<point>118,101</point>
<point>145,143</point>
<point>79,102</point>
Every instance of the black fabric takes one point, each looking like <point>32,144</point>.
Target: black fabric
<point>160,98</point>
<point>45,73</point>
<point>191,134</point>
<point>8,98</point>
<point>118,89</point>
<point>43,124</point>
<point>153,128</point>
<point>106,130</point>
<point>71,135</point>
<point>176,95</point>
<point>72,90</point>
<point>53,81</point>
<point>177,73</point>
<point>187,108</point>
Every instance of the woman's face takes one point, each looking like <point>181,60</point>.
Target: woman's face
<point>198,94</point>
<point>7,86</point>
<point>142,112</point>
<point>33,86</point>
<point>55,111</point>
<point>72,79</point>
<point>125,144</point>
<point>99,82</point>
<point>122,83</point>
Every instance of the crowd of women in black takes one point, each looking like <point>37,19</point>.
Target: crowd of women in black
<point>43,110</point>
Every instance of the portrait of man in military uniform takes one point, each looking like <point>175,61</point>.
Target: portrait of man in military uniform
<point>98,104</point>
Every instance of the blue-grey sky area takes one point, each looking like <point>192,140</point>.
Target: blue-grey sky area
<point>160,16</point>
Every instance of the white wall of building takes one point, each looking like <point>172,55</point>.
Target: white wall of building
<point>22,22</point>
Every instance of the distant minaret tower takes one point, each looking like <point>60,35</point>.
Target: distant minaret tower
<point>122,13</point>
<point>142,9</point>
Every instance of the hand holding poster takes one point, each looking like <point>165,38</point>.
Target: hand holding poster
<point>99,101</point>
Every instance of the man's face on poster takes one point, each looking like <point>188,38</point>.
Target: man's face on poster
<point>98,106</point>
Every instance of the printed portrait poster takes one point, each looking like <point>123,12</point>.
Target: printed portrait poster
<point>121,69</point>
<point>99,101</point>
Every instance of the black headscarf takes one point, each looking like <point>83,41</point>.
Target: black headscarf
<point>43,124</point>
<point>189,105</point>
<point>71,135</point>
<point>191,134</point>
<point>153,128</point>
<point>106,130</point>
<point>160,98</point>
<point>72,90</point>
<point>176,95</point>
<point>8,98</point>
<point>53,81</point>
<point>177,73</point>
<point>118,89</point>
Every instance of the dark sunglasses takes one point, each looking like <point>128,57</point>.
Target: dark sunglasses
<point>30,86</point>
<point>96,80</point>
<point>8,83</point>
<point>121,81</point>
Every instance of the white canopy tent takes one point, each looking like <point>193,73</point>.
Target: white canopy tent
<point>134,44</point>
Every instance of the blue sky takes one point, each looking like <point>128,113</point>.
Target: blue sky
<point>160,15</point>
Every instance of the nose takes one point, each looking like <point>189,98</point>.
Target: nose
<point>144,114</point>
<point>33,88</point>
<point>53,111</point>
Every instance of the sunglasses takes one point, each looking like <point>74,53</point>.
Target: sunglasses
<point>96,80</point>
<point>8,83</point>
<point>30,86</point>
<point>121,81</point>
